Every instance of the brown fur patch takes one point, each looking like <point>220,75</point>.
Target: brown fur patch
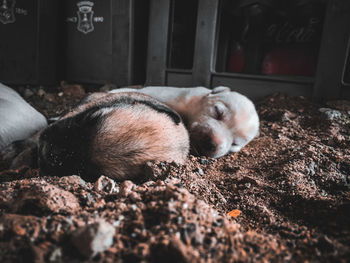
<point>131,136</point>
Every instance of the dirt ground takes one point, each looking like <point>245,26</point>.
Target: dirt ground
<point>284,197</point>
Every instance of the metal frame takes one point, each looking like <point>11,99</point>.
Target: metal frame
<point>203,65</point>
<point>158,42</point>
<point>332,58</point>
<point>327,83</point>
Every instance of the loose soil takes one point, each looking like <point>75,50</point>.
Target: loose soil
<point>289,191</point>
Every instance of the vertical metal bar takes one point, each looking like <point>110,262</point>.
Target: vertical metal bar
<point>334,43</point>
<point>38,8</point>
<point>157,42</point>
<point>131,41</point>
<point>121,29</point>
<point>203,65</point>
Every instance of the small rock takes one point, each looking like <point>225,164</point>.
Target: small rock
<point>28,93</point>
<point>100,203</point>
<point>105,184</point>
<point>41,92</point>
<point>126,188</point>
<point>200,171</point>
<point>56,255</point>
<point>311,169</point>
<point>93,238</point>
<point>154,170</point>
<point>204,161</point>
<point>90,200</point>
<point>49,97</point>
<point>191,234</point>
<point>42,197</point>
<point>135,197</point>
<point>287,116</point>
<point>174,181</point>
<point>149,183</point>
<point>142,250</point>
<point>331,114</point>
<point>69,182</point>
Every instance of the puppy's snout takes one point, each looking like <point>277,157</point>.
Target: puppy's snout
<point>209,145</point>
<point>203,144</point>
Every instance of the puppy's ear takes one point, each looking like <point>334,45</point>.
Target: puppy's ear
<point>220,89</point>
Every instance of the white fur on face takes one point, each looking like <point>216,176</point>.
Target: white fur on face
<point>237,125</point>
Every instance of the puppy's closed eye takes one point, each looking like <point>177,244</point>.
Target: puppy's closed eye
<point>219,112</point>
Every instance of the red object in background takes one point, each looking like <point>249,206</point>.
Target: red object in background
<point>236,62</point>
<point>289,61</point>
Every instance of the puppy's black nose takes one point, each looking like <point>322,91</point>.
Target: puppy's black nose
<point>208,145</point>
<point>202,143</point>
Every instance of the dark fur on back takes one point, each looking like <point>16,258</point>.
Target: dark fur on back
<point>132,101</point>
<point>64,146</point>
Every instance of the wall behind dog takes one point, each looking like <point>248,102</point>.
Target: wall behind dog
<point>29,41</point>
<point>98,42</point>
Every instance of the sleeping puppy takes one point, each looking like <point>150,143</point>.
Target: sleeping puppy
<point>18,120</point>
<point>219,120</point>
<point>114,135</point>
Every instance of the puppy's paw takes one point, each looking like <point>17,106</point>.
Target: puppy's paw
<point>235,148</point>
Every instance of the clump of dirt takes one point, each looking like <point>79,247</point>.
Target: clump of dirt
<point>290,187</point>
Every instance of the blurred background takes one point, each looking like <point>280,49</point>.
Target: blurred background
<point>256,47</point>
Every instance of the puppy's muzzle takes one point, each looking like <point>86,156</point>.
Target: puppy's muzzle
<point>203,143</point>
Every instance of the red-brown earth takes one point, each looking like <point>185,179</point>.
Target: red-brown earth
<point>291,186</point>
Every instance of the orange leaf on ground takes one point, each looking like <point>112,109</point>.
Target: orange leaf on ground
<point>234,213</point>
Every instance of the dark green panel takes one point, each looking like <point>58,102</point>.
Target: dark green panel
<point>18,45</point>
